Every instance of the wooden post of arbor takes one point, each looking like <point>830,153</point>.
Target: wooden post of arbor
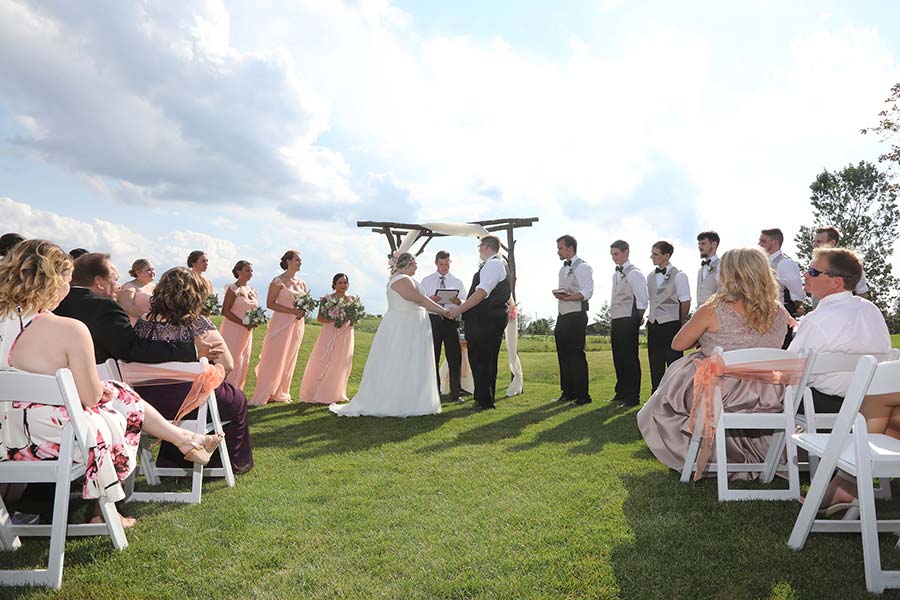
<point>394,232</point>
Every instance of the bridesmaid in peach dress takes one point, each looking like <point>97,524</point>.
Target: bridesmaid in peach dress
<point>134,296</point>
<point>239,298</point>
<point>328,369</point>
<point>278,358</point>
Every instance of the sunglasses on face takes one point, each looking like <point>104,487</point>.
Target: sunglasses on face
<point>815,273</point>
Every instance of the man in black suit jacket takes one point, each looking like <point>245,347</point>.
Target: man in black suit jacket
<point>91,300</point>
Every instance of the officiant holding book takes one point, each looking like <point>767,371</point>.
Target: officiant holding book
<point>445,289</point>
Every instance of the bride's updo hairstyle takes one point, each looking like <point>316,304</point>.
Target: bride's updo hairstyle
<point>289,255</point>
<point>31,275</point>
<point>178,297</point>
<point>403,261</point>
<point>745,276</point>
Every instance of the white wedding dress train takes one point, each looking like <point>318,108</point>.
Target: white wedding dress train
<point>399,379</point>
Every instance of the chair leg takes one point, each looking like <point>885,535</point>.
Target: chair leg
<point>60,519</point>
<point>869,527</point>
<point>803,524</point>
<point>113,524</point>
<point>8,540</point>
<point>722,461</point>
<point>691,459</point>
<point>775,449</point>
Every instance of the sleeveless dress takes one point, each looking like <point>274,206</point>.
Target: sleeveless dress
<point>399,379</point>
<point>32,431</point>
<point>278,358</point>
<point>328,368</point>
<point>663,419</point>
<point>239,339</point>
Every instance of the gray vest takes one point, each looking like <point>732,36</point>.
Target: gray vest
<point>568,282</point>
<point>664,304</point>
<point>709,286</point>
<point>622,303</point>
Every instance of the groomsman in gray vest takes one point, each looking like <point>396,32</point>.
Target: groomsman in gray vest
<point>626,312</point>
<point>576,286</point>
<point>830,237</point>
<point>708,275</point>
<point>787,273</point>
<point>670,302</point>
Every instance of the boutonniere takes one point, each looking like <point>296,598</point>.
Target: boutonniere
<point>571,270</point>
<point>709,268</point>
<point>666,278</point>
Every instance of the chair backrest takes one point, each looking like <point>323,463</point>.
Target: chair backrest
<point>109,370</point>
<point>135,373</point>
<point>751,355</point>
<point>835,362</point>
<point>52,390</point>
<point>860,385</point>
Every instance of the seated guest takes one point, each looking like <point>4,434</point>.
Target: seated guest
<point>134,296</point>
<point>745,312</point>
<point>174,316</point>
<point>34,278</point>
<point>91,300</point>
<point>841,322</point>
<point>8,241</point>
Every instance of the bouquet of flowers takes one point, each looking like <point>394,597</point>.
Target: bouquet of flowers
<point>305,302</point>
<point>212,306</point>
<point>256,316</point>
<point>344,310</point>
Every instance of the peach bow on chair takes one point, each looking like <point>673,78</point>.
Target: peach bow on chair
<point>201,383</point>
<point>708,379</point>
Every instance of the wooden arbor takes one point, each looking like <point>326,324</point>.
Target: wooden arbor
<point>395,232</point>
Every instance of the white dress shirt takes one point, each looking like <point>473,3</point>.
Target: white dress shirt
<point>788,275</point>
<point>638,286</point>
<point>841,323</point>
<point>492,273</point>
<point>432,283</point>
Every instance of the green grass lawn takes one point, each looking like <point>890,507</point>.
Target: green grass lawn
<point>533,500</point>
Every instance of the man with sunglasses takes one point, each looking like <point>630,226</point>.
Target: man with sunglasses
<point>841,323</point>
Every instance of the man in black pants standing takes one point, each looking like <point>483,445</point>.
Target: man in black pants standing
<point>444,331</point>
<point>576,286</point>
<point>626,313</point>
<point>484,313</point>
<point>670,302</point>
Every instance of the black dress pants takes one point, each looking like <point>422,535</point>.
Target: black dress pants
<point>483,335</point>
<point>659,349</point>
<point>446,332</point>
<point>569,333</point>
<point>624,334</point>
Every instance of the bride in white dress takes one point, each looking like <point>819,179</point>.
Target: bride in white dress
<point>399,379</point>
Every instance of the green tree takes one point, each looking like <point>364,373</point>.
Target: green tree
<point>889,126</point>
<point>602,322</point>
<point>861,202</point>
<point>541,327</point>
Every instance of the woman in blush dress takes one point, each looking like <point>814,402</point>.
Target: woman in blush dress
<point>399,379</point>
<point>328,368</point>
<point>198,261</point>
<point>134,296</point>
<point>34,278</point>
<point>239,298</point>
<point>746,312</point>
<point>281,345</point>
<point>175,317</point>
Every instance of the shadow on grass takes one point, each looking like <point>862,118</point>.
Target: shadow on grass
<point>592,428</point>
<point>688,545</point>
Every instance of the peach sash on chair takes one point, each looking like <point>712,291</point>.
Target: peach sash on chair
<point>202,383</point>
<point>708,377</point>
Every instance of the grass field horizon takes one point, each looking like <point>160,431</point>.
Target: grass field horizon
<point>533,500</point>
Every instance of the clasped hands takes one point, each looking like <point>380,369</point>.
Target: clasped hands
<point>451,313</point>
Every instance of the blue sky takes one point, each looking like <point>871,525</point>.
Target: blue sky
<point>248,128</point>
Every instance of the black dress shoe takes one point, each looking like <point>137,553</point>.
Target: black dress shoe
<point>583,401</point>
<point>564,398</point>
<point>481,407</point>
<point>631,404</point>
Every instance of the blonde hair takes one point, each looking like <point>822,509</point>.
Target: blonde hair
<point>745,276</point>
<point>402,261</point>
<point>31,275</point>
<point>179,296</point>
<point>138,266</point>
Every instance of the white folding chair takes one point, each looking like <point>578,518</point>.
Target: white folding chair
<point>782,422</point>
<point>851,448</point>
<point>58,390</point>
<point>109,370</point>
<point>197,472</point>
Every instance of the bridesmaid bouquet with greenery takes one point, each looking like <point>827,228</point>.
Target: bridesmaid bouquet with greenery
<point>212,306</point>
<point>341,311</point>
<point>255,317</point>
<point>305,302</point>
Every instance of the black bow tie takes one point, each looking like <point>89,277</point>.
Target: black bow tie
<point>620,268</point>
<point>568,263</point>
<point>658,270</point>
<point>705,262</point>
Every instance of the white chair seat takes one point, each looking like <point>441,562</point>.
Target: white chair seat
<point>884,452</point>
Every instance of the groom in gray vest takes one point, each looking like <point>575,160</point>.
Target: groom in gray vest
<point>576,286</point>
<point>626,313</point>
<point>670,303</point>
